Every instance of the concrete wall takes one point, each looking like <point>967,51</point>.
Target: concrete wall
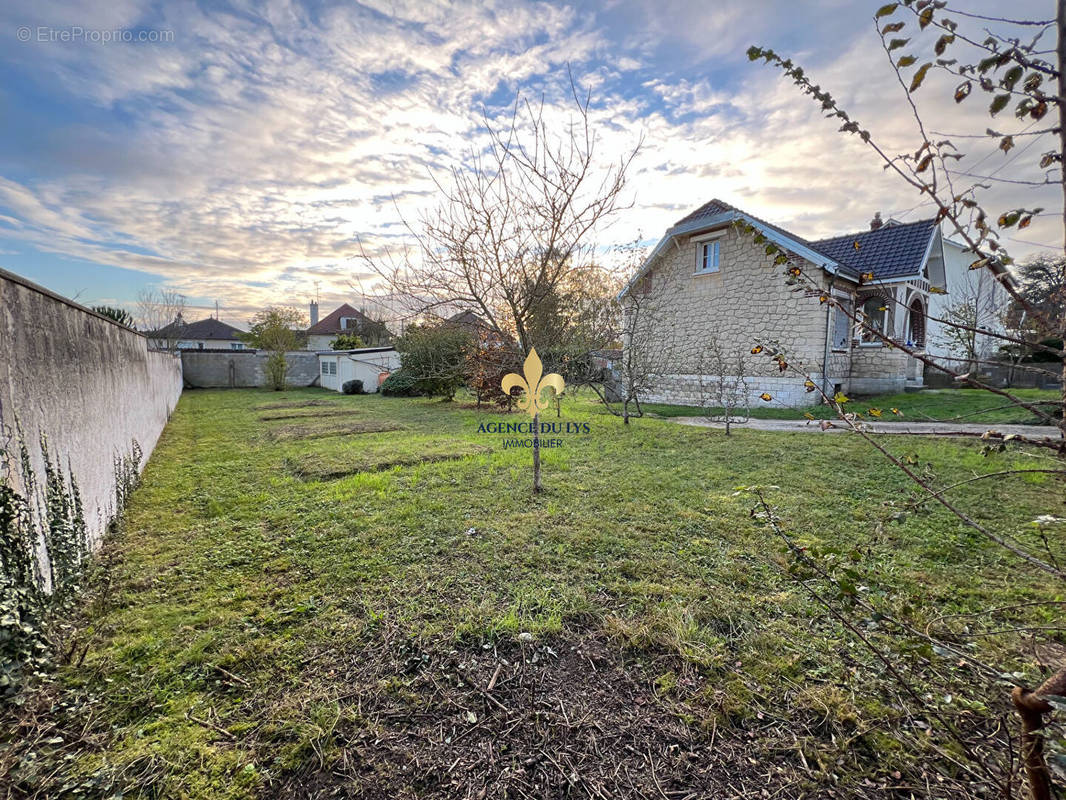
<point>205,369</point>
<point>89,385</point>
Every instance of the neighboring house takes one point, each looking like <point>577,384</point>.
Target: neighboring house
<point>971,294</point>
<point>371,365</point>
<point>346,319</point>
<point>205,334</point>
<point>715,281</point>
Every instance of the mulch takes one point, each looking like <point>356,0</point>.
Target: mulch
<point>566,719</point>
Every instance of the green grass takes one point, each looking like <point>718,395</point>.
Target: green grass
<point>928,405</point>
<point>274,559</point>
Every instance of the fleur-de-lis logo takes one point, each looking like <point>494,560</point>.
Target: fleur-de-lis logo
<point>534,383</point>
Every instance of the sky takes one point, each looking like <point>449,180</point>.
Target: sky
<point>244,153</point>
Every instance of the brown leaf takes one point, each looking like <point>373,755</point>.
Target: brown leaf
<point>919,76</point>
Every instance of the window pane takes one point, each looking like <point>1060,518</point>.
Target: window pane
<point>841,329</point>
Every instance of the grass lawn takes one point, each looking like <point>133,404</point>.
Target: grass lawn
<point>928,405</point>
<point>309,603</point>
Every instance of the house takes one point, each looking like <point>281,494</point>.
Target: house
<point>204,334</point>
<point>371,365</point>
<point>971,295</point>
<point>344,320</point>
<point>714,281</point>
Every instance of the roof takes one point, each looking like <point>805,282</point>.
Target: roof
<point>466,319</point>
<point>209,328</point>
<point>891,251</point>
<point>719,213</point>
<point>332,322</point>
<point>354,351</point>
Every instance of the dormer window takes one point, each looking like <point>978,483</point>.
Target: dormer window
<point>708,252</point>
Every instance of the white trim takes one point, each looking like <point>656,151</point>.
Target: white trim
<point>700,238</point>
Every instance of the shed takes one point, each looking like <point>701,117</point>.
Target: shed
<point>371,365</point>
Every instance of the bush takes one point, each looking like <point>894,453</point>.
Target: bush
<point>276,367</point>
<point>434,356</point>
<point>400,384</point>
<point>352,387</point>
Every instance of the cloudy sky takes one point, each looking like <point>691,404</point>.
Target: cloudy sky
<point>239,152</point>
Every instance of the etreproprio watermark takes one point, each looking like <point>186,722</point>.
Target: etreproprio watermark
<point>76,34</point>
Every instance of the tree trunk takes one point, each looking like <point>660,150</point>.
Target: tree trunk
<point>537,488</point>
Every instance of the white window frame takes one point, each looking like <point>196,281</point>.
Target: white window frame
<point>701,244</point>
<point>841,300</point>
<point>886,321</point>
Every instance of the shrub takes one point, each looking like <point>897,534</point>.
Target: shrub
<point>400,384</point>
<point>434,357</point>
<point>352,387</point>
<point>276,367</point>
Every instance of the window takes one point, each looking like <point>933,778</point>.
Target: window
<point>329,367</point>
<point>874,318</point>
<point>199,345</point>
<point>236,346</point>
<point>707,256</point>
<point>841,326</point>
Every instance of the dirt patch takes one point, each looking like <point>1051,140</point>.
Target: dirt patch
<point>569,718</point>
<point>319,467</point>
<point>310,413</point>
<point>294,404</point>
<point>285,433</point>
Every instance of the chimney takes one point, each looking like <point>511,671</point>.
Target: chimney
<point>876,222</point>
<point>314,312</point>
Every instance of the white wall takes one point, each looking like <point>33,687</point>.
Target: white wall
<point>210,344</point>
<point>89,386</point>
<point>362,365</point>
<point>964,284</point>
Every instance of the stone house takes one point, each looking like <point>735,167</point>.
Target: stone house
<point>709,281</point>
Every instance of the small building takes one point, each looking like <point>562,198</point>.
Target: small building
<point>371,365</point>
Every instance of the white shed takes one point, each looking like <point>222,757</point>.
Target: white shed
<point>371,365</point>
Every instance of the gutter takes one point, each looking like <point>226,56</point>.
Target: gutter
<point>707,223</point>
<point>826,353</point>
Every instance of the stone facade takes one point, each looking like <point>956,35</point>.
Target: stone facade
<point>747,302</point>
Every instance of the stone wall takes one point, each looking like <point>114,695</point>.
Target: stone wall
<point>235,369</point>
<point>878,370</point>
<point>89,386</point>
<point>746,302</point>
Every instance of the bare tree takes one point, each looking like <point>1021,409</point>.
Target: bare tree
<point>159,315</point>
<point>1005,60</point>
<point>646,337</point>
<point>722,383</point>
<point>514,224</point>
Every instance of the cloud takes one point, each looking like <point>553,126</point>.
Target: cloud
<point>250,157</point>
